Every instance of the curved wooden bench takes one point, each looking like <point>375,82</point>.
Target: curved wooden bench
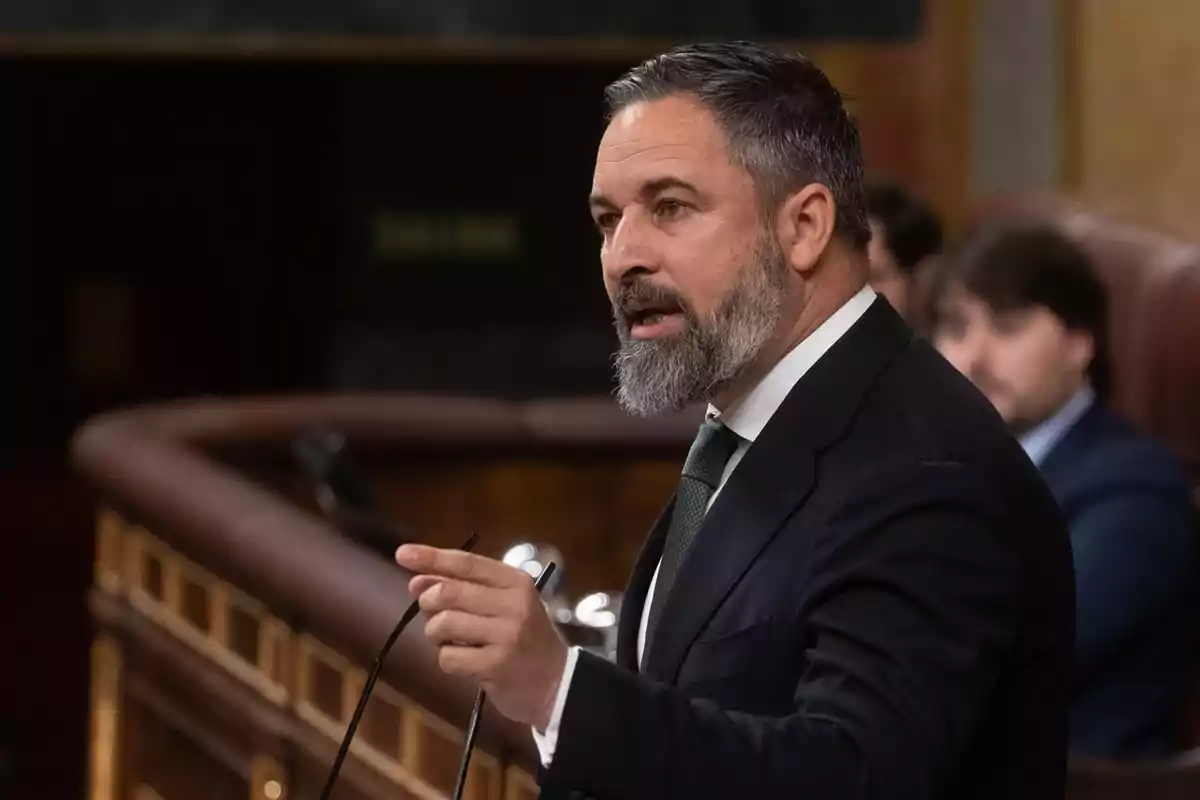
<point>235,627</point>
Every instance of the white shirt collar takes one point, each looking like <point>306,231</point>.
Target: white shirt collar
<point>750,415</point>
<point>1040,440</point>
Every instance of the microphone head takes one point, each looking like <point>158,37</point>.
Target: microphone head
<point>322,455</point>
<point>532,558</point>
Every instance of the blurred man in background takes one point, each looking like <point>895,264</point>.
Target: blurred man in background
<point>905,232</point>
<point>1021,313</point>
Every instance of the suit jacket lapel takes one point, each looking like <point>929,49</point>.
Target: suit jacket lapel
<point>745,516</point>
<point>634,600</point>
<point>772,480</point>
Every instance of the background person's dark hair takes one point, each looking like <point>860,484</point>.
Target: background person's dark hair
<point>1014,265</point>
<point>785,121</point>
<point>911,229</point>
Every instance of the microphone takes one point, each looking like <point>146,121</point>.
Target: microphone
<point>409,615</point>
<point>343,494</point>
<point>481,696</point>
<point>321,453</point>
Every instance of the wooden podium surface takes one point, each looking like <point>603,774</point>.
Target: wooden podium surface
<point>234,627</point>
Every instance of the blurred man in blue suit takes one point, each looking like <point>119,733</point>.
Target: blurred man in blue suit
<point>1021,313</point>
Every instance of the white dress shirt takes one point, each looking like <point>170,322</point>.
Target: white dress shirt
<point>1039,440</point>
<point>746,418</point>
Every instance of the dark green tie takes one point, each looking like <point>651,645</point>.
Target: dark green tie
<point>702,471</point>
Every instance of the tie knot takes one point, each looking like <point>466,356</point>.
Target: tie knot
<point>711,450</point>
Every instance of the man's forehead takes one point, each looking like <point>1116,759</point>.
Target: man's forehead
<point>668,126</point>
<point>647,141</point>
<point>673,111</point>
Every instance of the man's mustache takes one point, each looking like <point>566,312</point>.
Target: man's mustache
<point>637,297</point>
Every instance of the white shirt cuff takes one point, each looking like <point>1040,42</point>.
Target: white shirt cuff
<point>547,739</point>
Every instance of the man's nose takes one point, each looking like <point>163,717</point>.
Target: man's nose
<point>627,252</point>
<point>974,353</point>
<point>965,352</point>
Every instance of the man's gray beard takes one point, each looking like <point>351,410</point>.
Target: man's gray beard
<point>669,373</point>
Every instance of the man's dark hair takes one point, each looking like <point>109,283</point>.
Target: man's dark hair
<point>911,229</point>
<point>1015,265</point>
<point>785,121</point>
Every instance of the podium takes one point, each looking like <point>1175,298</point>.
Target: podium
<point>234,625</point>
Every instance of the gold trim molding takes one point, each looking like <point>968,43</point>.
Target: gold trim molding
<point>106,719</point>
<point>212,616</point>
<point>398,738</point>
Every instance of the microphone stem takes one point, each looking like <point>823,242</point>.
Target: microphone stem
<point>410,614</point>
<point>480,697</point>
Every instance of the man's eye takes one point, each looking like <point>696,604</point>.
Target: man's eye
<point>607,221</point>
<point>669,208</point>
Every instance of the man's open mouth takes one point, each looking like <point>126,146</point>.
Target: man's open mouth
<point>650,313</point>
<point>648,319</point>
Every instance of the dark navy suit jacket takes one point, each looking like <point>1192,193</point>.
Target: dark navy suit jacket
<point>1132,527</point>
<point>879,604</point>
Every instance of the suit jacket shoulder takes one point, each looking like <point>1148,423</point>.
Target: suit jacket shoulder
<point>1103,453</point>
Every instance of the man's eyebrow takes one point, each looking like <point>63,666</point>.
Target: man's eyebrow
<point>660,185</point>
<point>597,200</point>
<point>648,189</point>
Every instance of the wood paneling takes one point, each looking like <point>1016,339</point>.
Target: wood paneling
<point>165,753</point>
<point>178,712</point>
<point>914,106</point>
<point>1132,75</point>
<point>596,512</point>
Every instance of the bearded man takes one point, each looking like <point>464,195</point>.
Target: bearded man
<point>861,587</point>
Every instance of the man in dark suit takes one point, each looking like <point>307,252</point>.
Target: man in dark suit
<point>1023,315</point>
<point>861,587</point>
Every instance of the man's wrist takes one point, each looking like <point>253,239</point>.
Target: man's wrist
<point>554,689</point>
<point>547,738</point>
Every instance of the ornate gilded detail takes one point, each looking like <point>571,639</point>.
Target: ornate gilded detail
<point>106,718</point>
<point>397,737</point>
<point>109,528</point>
<point>412,747</point>
<point>207,613</point>
<point>440,747</point>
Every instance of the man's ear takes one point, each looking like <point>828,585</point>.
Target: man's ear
<point>805,225</point>
<point>1081,350</point>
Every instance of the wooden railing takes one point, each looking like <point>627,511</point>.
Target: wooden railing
<point>234,626</point>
